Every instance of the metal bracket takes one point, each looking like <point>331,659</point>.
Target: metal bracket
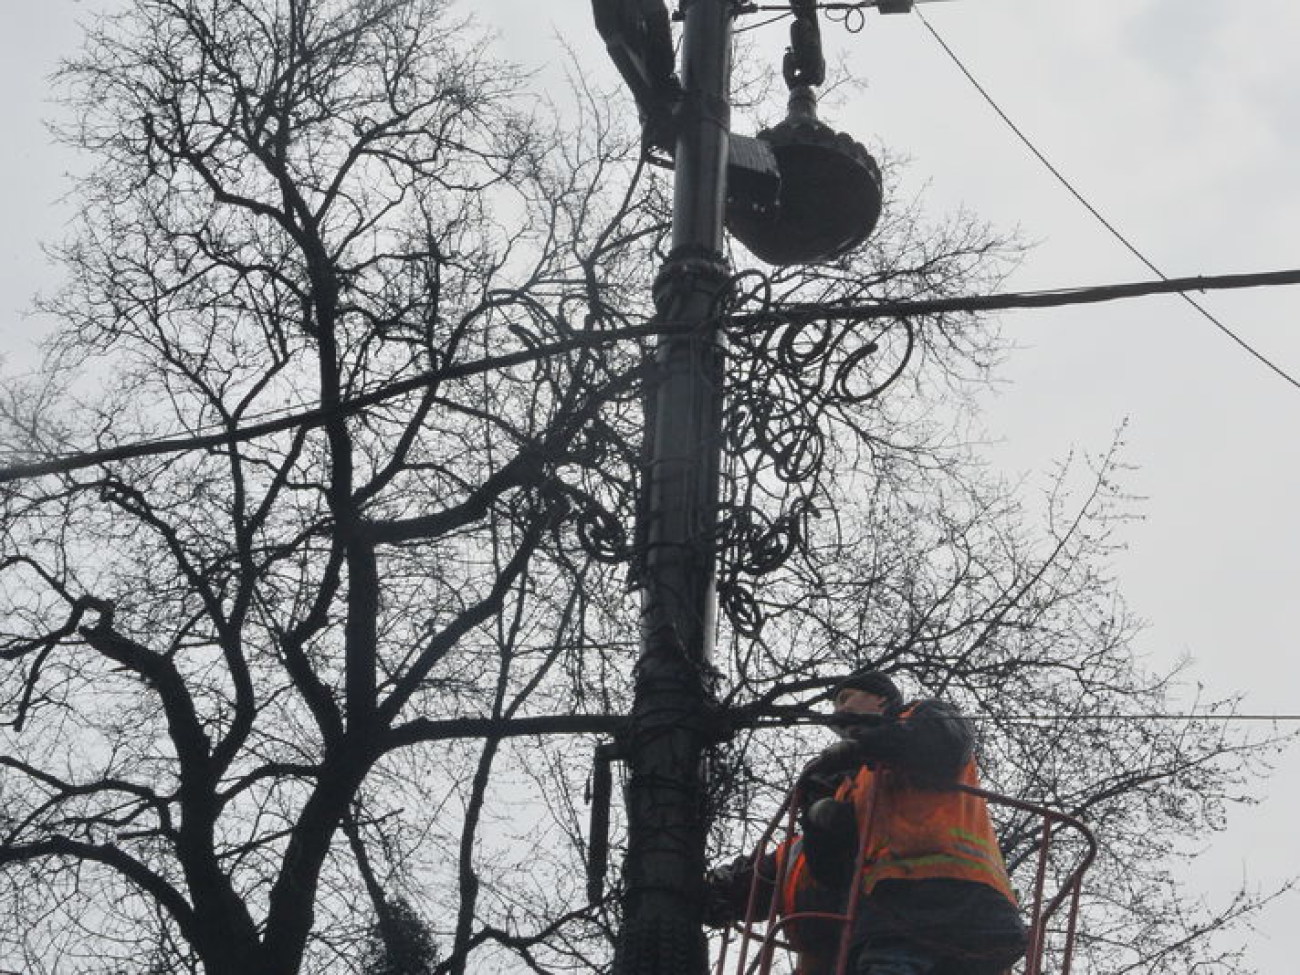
<point>602,789</point>
<point>804,63</point>
<point>639,40</point>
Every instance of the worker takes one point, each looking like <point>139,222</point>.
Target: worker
<point>935,898</point>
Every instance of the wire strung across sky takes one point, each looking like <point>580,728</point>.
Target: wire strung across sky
<point>767,320</point>
<point>1214,718</point>
<point>1110,227</point>
<point>426,729</point>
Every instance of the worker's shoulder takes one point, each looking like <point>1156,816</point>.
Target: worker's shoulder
<point>937,735</point>
<point>931,708</point>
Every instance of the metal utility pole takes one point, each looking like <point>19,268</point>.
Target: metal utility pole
<point>671,727</point>
<point>800,193</point>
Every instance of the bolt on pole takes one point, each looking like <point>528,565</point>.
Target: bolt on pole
<point>671,726</point>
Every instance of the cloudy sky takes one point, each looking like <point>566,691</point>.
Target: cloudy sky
<point>1178,120</point>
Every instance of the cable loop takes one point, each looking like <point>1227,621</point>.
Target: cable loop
<point>852,19</point>
<point>798,350</point>
<point>601,534</point>
<point>741,609</point>
<point>787,383</point>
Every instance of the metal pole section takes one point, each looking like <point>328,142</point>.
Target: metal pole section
<point>671,728</point>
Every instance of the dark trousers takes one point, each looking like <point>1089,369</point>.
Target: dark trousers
<point>904,959</point>
<point>937,927</point>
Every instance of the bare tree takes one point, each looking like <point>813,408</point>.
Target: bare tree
<point>296,205</point>
<point>302,697</point>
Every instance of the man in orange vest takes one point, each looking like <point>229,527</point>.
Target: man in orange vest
<point>935,898</point>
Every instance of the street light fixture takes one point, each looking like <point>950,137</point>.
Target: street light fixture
<point>829,194</point>
<point>799,193</point>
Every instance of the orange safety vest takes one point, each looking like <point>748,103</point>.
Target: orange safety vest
<point>915,833</point>
<point>814,940</point>
<point>811,938</point>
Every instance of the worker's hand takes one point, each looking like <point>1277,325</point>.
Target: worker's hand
<point>830,834</point>
<point>727,874</point>
<point>842,756</point>
<point>726,891</point>
<point>849,725</point>
<point>830,816</point>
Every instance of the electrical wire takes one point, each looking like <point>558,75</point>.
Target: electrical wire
<point>769,319</point>
<point>1007,301</point>
<point>1214,718</point>
<point>321,415</point>
<point>427,729</point>
<point>800,716</point>
<point>831,6</point>
<point>762,23</point>
<point>1110,227</point>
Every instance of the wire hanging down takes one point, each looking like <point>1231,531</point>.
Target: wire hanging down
<point>1110,227</point>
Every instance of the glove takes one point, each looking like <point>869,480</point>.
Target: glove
<point>729,874</point>
<point>829,816</point>
<point>848,725</point>
<point>839,757</point>
<point>830,834</point>
<point>726,892</point>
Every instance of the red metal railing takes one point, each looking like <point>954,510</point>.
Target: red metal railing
<point>768,933</point>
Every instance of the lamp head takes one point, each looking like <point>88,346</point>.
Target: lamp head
<point>828,198</point>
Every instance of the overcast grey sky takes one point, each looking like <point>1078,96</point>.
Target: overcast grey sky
<point>1178,119</point>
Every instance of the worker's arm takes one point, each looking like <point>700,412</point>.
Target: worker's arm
<point>931,741</point>
<point>727,887</point>
<point>936,743</point>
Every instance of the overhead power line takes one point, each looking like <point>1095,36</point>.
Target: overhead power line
<point>1211,718</point>
<point>766,320</point>
<point>318,416</point>
<point>425,729</point>
<point>1009,301</point>
<point>1110,227</point>
<point>797,716</point>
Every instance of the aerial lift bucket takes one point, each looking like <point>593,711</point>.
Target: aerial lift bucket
<point>755,940</point>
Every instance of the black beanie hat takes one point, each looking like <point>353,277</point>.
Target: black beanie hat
<point>873,682</point>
